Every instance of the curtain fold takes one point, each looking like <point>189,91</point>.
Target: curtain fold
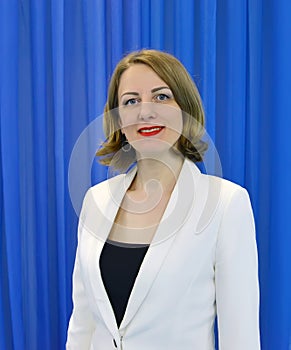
<point>56,59</point>
<point>11,238</point>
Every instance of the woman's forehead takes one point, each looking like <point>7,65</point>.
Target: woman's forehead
<point>140,77</point>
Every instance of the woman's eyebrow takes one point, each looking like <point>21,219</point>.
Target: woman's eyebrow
<point>160,88</point>
<point>130,93</point>
<point>153,90</point>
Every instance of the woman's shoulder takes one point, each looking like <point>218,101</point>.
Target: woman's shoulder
<point>107,187</point>
<point>227,185</point>
<point>218,194</point>
<point>104,188</point>
<point>108,182</point>
<point>100,198</point>
<point>227,189</point>
<point>214,182</point>
<point>215,196</point>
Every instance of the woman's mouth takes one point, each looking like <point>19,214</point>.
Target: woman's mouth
<point>151,130</point>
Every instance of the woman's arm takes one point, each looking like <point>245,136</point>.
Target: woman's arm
<point>81,325</point>
<point>236,276</point>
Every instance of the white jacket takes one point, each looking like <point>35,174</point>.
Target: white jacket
<point>201,263</point>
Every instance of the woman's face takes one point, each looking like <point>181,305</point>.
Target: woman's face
<point>150,117</point>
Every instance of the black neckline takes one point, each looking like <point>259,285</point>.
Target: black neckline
<point>126,245</point>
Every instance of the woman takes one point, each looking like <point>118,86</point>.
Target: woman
<point>194,255</point>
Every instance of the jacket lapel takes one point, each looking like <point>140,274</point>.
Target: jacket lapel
<point>179,208</point>
<point>100,214</point>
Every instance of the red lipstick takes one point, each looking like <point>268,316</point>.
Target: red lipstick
<point>150,130</point>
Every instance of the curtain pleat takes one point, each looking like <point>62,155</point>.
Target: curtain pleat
<point>276,173</point>
<point>58,174</point>
<point>231,74</point>
<point>204,58</point>
<point>11,237</point>
<point>56,59</point>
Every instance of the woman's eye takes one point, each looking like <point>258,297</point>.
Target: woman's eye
<point>162,97</point>
<point>131,102</point>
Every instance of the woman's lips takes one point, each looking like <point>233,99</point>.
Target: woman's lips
<point>151,130</point>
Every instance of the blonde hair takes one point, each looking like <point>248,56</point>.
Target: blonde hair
<point>185,92</point>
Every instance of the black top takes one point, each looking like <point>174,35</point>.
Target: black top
<point>119,265</point>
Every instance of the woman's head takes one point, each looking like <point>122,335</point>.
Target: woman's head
<point>185,93</point>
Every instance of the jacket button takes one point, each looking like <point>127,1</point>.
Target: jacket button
<point>114,342</point>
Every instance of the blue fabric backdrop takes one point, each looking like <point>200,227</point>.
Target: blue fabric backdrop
<point>56,60</point>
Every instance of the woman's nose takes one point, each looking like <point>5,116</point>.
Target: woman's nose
<point>147,111</point>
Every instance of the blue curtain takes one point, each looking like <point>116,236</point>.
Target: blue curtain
<point>56,58</point>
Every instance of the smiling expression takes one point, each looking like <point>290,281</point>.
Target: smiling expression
<point>150,117</point>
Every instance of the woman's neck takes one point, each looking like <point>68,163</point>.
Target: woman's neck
<point>157,171</point>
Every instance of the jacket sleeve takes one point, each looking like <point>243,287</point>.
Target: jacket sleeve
<point>81,325</point>
<point>236,276</point>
